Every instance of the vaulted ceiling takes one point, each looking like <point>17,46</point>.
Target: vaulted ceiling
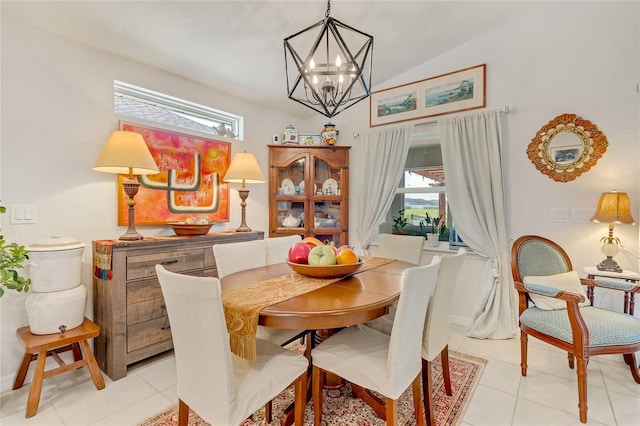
<point>237,46</point>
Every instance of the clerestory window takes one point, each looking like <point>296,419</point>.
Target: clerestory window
<point>145,104</point>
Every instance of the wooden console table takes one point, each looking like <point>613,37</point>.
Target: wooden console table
<point>127,299</point>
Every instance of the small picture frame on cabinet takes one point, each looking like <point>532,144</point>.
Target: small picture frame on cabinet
<point>312,139</point>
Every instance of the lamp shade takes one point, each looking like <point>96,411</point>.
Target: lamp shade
<point>613,207</point>
<point>126,153</point>
<point>244,168</point>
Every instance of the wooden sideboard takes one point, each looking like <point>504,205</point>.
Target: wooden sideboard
<point>127,299</point>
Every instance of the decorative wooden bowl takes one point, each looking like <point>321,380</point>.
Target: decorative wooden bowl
<point>187,229</point>
<point>329,271</point>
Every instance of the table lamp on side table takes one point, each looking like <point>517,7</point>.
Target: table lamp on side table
<point>613,207</point>
<point>127,153</point>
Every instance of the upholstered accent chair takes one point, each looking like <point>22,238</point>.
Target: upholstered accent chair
<point>220,387</point>
<point>374,361</point>
<point>435,337</point>
<point>553,308</point>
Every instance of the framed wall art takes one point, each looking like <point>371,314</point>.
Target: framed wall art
<point>190,179</point>
<point>456,91</point>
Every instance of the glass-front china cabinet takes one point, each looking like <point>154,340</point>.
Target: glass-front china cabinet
<point>309,192</point>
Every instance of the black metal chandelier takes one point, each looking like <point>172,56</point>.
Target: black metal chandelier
<point>330,78</point>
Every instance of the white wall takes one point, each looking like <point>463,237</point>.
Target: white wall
<point>580,57</point>
<point>57,113</point>
<point>576,57</point>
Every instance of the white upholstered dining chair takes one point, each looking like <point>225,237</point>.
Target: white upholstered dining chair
<point>407,248</point>
<point>435,338</point>
<point>220,387</point>
<point>278,248</point>
<point>374,361</point>
<point>236,257</point>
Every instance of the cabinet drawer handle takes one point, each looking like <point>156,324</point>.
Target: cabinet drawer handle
<point>169,262</point>
<point>165,327</point>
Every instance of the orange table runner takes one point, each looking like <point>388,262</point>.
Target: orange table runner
<point>242,305</point>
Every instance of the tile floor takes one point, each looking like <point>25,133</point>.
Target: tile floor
<point>547,396</point>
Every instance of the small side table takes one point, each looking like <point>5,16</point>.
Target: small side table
<point>629,284</point>
<point>39,347</point>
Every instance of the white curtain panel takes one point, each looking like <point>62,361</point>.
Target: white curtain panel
<point>472,158</point>
<point>384,155</point>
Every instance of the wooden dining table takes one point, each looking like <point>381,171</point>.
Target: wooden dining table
<point>352,300</point>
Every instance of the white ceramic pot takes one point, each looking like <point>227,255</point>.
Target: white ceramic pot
<point>432,240</point>
<point>55,264</point>
<point>48,311</point>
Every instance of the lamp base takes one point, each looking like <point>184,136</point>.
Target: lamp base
<point>131,186</point>
<point>609,265</point>
<point>244,193</point>
<point>131,236</point>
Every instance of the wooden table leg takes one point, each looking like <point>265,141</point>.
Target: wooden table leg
<point>36,385</point>
<point>92,365</point>
<point>22,371</point>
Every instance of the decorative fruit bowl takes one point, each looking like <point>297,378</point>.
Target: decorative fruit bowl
<point>190,229</point>
<point>328,271</point>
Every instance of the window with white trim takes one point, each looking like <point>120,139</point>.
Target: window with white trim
<point>422,188</point>
<point>145,104</point>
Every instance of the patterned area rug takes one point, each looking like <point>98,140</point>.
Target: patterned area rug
<point>341,409</point>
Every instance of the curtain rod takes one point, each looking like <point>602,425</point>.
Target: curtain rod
<point>504,110</point>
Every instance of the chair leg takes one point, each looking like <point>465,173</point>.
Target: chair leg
<point>268,412</point>
<point>444,357</point>
<point>427,391</point>
<point>317,383</point>
<point>417,399</point>
<point>301,399</point>
<point>630,359</point>
<point>183,413</point>
<point>391,409</point>
<point>523,352</point>
<point>582,388</point>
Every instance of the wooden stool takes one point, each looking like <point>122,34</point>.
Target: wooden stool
<point>39,347</point>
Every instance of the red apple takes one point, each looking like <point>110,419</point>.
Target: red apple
<point>299,253</point>
<point>322,255</point>
<point>346,255</point>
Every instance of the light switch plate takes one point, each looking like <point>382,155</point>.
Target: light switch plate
<point>560,215</point>
<point>23,214</point>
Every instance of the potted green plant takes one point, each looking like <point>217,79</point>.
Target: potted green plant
<point>12,257</point>
<point>399,222</point>
<point>437,227</point>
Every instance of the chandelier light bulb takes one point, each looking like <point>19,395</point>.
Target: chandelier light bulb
<point>312,64</point>
<point>338,61</point>
<point>315,79</point>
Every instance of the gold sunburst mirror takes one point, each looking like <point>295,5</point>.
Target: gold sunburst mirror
<point>566,147</point>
